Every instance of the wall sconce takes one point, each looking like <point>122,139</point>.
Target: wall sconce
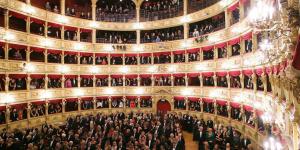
<point>9,36</point>
<point>109,91</point>
<point>139,91</point>
<point>29,67</point>
<point>152,69</point>
<point>78,92</point>
<point>94,69</point>
<point>63,69</point>
<point>46,95</point>
<point>124,69</point>
<point>186,92</point>
<point>62,19</point>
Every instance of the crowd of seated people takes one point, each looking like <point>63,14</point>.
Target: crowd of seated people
<point>131,103</point>
<point>210,135</point>
<point>222,81</point>
<point>17,54</point>
<point>115,11</point>
<point>179,81</point>
<point>38,83</point>
<point>117,81</point>
<point>222,52</point>
<point>207,26</point>
<point>163,58</point>
<point>208,107</point>
<point>146,103</point>
<point>235,82</point>
<point>163,81</point>
<point>117,103</point>
<point>86,82</point>
<point>260,85</point>
<point>161,35</point>
<point>17,114</point>
<point>248,82</point>
<point>194,56</point>
<point>54,83</point>
<point>52,7</point>
<point>208,55</point>
<point>130,60</point>
<point>71,82</point>
<point>37,110</point>
<point>157,10</point>
<point>54,108</point>
<point>145,60</point>
<point>145,81</point>
<point>101,82</point>
<point>222,110</point>
<point>102,103</point>
<point>236,114</point>
<point>71,105</point>
<point>87,104</point>
<point>101,60</point>
<point>115,131</point>
<point>196,5</point>
<point>86,60</point>
<point>82,14</point>
<point>236,49</point>
<point>54,58</point>
<point>194,105</point>
<point>179,58</point>
<point>131,82</point>
<point>208,81</point>
<point>179,104</point>
<point>17,84</point>
<point>116,37</point>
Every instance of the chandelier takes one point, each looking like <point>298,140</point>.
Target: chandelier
<point>267,19</point>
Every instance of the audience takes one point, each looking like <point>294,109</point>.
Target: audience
<point>116,37</point>
<point>156,10</point>
<point>52,7</point>
<point>162,35</point>
<point>115,11</point>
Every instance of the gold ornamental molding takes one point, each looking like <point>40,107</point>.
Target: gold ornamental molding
<point>224,35</point>
<point>18,6</point>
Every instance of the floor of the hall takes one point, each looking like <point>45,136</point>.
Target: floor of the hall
<point>189,143</point>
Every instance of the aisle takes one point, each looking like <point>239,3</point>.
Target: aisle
<point>189,143</point>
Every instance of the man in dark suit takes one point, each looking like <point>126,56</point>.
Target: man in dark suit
<point>200,138</point>
<point>150,142</point>
<point>245,142</point>
<point>180,144</point>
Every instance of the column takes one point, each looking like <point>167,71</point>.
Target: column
<point>7,117</point>
<point>79,104</point>
<point>241,10</point>
<point>63,81</point>
<point>138,37</point>
<point>227,18</point>
<point>139,80</point>
<point>94,103</point>
<point>295,135</point>
<point>172,57</point>
<point>215,53</point>
<point>28,80</point>
<point>28,24</point>
<point>254,42</point>
<point>6,19</point>
<point>152,81</point>
<point>109,81</point>
<point>254,81</point>
<point>228,80</point>
<point>63,105</point>
<point>229,50</point>
<point>28,110</point>
<point>172,103</point>
<point>124,80</point>
<point>46,81</point>
<point>152,59</point>
<point>139,102</point>
<point>172,81</point>
<point>62,33</point>
<point>28,54</point>
<point>201,80</point>
<point>201,106</point>
<point>46,29</point>
<point>6,50</point>
<point>78,80</point>
<point>229,109</point>
<point>94,6</point>
<point>186,30</point>
<point>78,34</point>
<point>94,38</point>
<point>94,81</point>
<point>109,102</point>
<point>186,55</point>
<point>46,108</point>
<point>6,82</point>
<point>62,7</point>
<point>242,44</point>
<point>186,103</point>
<point>46,56</point>
<point>215,107</point>
<point>242,80</point>
<point>264,81</point>
<point>185,7</point>
<point>124,102</point>
<point>27,1</point>
<point>215,81</point>
<point>186,78</point>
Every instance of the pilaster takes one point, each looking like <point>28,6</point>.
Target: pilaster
<point>62,6</point>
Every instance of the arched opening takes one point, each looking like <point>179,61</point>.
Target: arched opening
<point>163,106</point>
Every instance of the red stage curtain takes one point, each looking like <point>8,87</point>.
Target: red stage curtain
<point>194,99</point>
<point>194,50</point>
<point>221,45</point>
<point>131,55</point>
<point>145,54</point>
<point>259,71</point>
<point>207,74</point>
<point>86,76</point>
<point>207,100</point>
<point>55,101</point>
<point>17,75</point>
<point>71,99</point>
<point>86,30</point>
<point>116,76</point>
<point>247,72</point>
<point>193,75</point>
<point>178,52</point>
<point>54,51</point>
<point>53,76</point>
<point>235,105</point>
<point>248,108</point>
<point>145,75</point>
<point>234,41</point>
<point>37,21</point>
<point>37,76</point>
<point>221,74</point>
<point>86,54</point>
<point>179,75</point>
<point>179,98</point>
<point>221,102</point>
<point>116,55</point>
<point>37,49</point>
<point>131,76</point>
<point>101,54</point>
<point>207,48</point>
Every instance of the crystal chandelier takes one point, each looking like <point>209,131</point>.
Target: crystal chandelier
<point>267,18</point>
